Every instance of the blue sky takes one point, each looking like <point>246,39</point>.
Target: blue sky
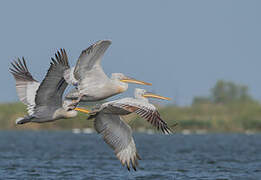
<point>181,47</point>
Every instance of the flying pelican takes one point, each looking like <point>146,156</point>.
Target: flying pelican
<point>92,84</point>
<point>118,134</point>
<point>44,101</point>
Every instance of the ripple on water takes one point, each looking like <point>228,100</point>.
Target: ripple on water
<point>63,155</point>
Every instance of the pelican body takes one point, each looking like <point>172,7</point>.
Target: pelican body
<point>118,134</point>
<point>92,84</point>
<point>43,100</point>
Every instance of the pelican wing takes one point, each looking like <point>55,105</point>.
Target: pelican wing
<point>69,77</point>
<point>52,87</point>
<point>88,68</point>
<point>26,85</point>
<point>118,135</point>
<point>144,110</point>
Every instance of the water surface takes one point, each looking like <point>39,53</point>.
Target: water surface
<point>64,155</point>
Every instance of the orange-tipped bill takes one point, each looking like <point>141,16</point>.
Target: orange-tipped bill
<point>131,80</point>
<point>82,110</point>
<point>151,95</point>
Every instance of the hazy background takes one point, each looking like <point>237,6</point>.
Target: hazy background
<point>182,47</point>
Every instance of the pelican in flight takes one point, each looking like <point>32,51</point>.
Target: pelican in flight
<point>44,101</point>
<point>118,134</point>
<point>92,84</point>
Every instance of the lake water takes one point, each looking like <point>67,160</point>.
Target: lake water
<point>64,155</point>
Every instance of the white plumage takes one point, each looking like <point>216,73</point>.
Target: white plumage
<point>26,85</point>
<point>44,101</point>
<point>118,134</point>
<point>89,78</point>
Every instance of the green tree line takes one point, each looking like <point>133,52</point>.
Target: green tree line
<point>228,108</point>
<point>226,92</point>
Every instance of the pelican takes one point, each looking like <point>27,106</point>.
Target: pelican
<point>118,134</point>
<point>44,101</point>
<point>92,84</point>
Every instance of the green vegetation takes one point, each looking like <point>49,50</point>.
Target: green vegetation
<point>229,108</point>
<point>210,117</point>
<point>226,92</point>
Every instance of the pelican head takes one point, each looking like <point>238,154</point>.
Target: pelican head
<point>123,81</point>
<point>68,108</point>
<point>143,94</point>
<point>71,113</point>
<point>63,113</point>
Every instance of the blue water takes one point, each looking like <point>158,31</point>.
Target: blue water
<point>63,155</point>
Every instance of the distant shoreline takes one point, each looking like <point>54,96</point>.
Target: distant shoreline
<point>203,118</point>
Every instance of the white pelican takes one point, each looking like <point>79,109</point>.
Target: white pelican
<point>92,84</point>
<point>118,134</point>
<point>44,101</point>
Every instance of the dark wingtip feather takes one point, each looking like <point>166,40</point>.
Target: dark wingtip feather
<point>53,61</point>
<point>134,168</point>
<point>153,117</point>
<point>88,50</point>
<point>61,58</point>
<point>25,65</point>
<point>133,163</point>
<point>20,71</point>
<point>16,68</point>
<point>138,156</point>
<point>17,63</point>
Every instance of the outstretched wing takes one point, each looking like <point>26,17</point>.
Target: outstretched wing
<point>26,85</point>
<point>118,135</point>
<point>144,110</point>
<point>52,87</point>
<point>88,68</point>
